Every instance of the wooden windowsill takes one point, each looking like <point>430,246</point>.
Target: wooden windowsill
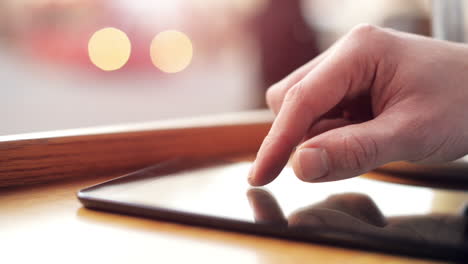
<point>89,152</point>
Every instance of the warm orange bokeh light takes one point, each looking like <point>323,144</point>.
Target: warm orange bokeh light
<point>171,51</point>
<point>109,49</point>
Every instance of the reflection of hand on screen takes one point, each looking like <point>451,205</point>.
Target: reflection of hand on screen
<point>358,212</point>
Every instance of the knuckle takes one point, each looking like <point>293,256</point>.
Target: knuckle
<point>364,30</point>
<point>296,95</point>
<point>359,152</point>
<point>366,38</point>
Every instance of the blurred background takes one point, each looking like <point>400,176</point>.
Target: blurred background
<point>167,58</point>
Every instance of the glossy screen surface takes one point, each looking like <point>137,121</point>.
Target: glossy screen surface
<point>356,206</point>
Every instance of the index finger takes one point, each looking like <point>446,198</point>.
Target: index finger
<point>316,94</point>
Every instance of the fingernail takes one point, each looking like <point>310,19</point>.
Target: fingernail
<point>313,163</point>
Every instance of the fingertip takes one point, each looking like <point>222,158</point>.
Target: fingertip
<point>252,182</point>
<point>251,176</point>
<point>257,180</point>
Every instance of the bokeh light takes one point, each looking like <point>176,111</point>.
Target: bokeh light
<point>171,51</point>
<point>109,49</point>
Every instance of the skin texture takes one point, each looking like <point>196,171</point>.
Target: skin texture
<point>376,96</point>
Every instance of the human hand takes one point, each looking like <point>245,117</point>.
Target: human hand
<point>376,96</point>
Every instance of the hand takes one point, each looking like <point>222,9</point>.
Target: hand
<point>376,96</point>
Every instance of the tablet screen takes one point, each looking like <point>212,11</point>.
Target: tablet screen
<point>358,212</point>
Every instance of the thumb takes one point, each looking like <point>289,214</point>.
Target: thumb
<point>351,150</point>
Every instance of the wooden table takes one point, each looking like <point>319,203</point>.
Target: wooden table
<point>45,223</point>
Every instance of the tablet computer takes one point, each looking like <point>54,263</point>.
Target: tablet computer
<point>359,212</point>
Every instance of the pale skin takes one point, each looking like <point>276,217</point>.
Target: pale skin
<point>376,96</point>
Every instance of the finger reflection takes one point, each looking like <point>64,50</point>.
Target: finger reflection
<point>266,208</point>
<point>355,205</point>
<point>355,212</point>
